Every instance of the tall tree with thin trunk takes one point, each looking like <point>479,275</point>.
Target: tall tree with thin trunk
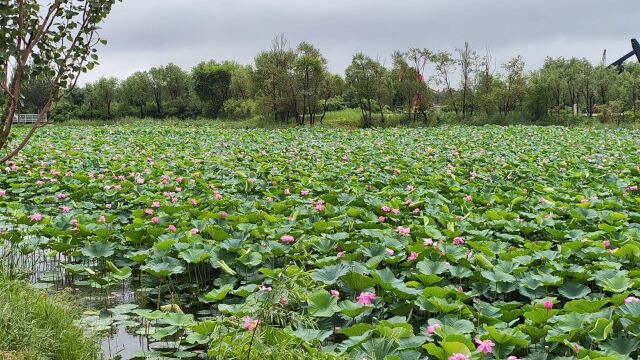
<point>54,42</point>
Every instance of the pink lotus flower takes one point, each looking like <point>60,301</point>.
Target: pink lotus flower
<point>390,252</point>
<point>431,329</point>
<point>223,214</point>
<point>633,188</point>
<point>148,211</point>
<point>416,211</point>
<point>513,358</point>
<point>194,231</point>
<point>172,228</point>
<point>194,202</point>
<point>263,288</point>
<point>412,256</point>
<point>576,348</point>
<point>155,204</point>
<point>108,206</point>
<point>341,254</point>
<point>287,239</point>
<point>473,174</point>
<point>73,222</point>
<point>36,217</point>
<point>606,243</point>
<point>304,192</point>
<point>102,219</point>
<point>249,323</point>
<point>485,346</point>
<point>458,240</point>
<point>269,199</point>
<point>335,293</point>
<point>427,242</point>
<point>631,299</point>
<point>404,231</point>
<point>3,193</point>
<point>251,180</point>
<point>408,202</point>
<point>365,298</point>
<point>395,211</point>
<point>386,209</point>
<point>459,356</point>
<point>155,219</point>
<point>61,196</point>
<point>548,305</point>
<point>287,192</point>
<point>66,209</point>
<point>381,218</point>
<point>409,188</point>
<point>217,195</point>
<point>468,198</point>
<point>39,183</point>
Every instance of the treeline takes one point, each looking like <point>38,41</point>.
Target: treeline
<point>294,85</point>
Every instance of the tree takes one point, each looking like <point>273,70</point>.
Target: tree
<point>176,81</point>
<point>538,96</point>
<point>105,92</point>
<point>410,89</point>
<point>366,81</point>
<point>136,90</point>
<point>274,80</point>
<point>332,87</point>
<point>630,88</point>
<point>552,75</point>
<point>514,92</point>
<point>158,83</point>
<point>177,90</point>
<point>588,87</point>
<point>59,40</point>
<point>467,60</point>
<point>604,78</point>
<point>487,84</point>
<point>35,94</point>
<point>444,65</point>
<point>310,70</point>
<point>211,82</point>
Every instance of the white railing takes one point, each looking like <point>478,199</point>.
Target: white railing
<point>28,118</point>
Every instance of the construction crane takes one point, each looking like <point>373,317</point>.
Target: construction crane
<point>619,64</point>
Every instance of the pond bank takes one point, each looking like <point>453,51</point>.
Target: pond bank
<point>35,325</point>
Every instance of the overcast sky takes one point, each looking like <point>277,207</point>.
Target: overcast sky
<point>146,33</point>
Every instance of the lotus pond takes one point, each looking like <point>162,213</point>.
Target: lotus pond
<point>444,243</point>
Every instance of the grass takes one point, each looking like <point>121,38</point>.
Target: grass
<point>352,119</point>
<point>34,325</point>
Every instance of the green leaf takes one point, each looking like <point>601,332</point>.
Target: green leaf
<point>573,290</point>
<point>322,304</point>
<point>601,329</point>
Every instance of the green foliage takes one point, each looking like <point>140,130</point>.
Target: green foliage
<point>46,48</point>
<point>36,326</point>
<point>535,254</point>
<point>211,84</point>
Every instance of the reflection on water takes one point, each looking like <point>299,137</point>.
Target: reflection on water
<point>49,273</point>
<point>123,345</point>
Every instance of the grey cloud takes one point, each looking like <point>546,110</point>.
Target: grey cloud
<point>145,33</point>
